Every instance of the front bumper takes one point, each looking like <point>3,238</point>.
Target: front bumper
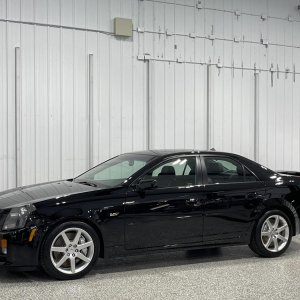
<point>20,250</point>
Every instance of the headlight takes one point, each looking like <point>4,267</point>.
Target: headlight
<point>17,217</point>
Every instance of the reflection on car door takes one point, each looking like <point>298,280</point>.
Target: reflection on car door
<point>231,195</point>
<point>168,215</point>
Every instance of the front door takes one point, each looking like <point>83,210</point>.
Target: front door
<point>170,214</point>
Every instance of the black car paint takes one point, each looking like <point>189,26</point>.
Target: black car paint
<point>130,221</point>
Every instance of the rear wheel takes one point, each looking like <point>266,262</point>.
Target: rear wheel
<point>70,251</point>
<point>272,234</point>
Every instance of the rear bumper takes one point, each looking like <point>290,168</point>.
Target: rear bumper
<point>20,252</point>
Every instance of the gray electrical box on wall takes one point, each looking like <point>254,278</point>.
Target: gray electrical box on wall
<point>123,27</point>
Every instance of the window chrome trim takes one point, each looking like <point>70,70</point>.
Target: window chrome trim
<point>204,170</point>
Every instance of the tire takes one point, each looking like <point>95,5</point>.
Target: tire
<point>271,239</point>
<point>70,251</point>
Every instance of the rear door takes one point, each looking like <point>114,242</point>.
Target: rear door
<point>170,214</point>
<point>231,194</point>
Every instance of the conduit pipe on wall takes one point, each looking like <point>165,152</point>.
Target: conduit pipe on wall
<point>90,110</point>
<point>256,115</point>
<point>148,103</point>
<point>18,118</point>
<point>208,108</point>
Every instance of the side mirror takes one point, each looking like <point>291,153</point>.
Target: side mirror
<point>146,184</point>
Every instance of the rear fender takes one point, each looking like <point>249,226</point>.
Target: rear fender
<point>286,207</point>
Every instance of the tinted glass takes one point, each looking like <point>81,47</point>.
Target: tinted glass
<point>226,170</point>
<point>249,176</point>
<point>177,172</point>
<point>115,171</point>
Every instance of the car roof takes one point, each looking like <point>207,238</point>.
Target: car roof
<point>169,152</point>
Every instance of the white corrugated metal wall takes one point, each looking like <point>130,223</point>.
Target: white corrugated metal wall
<point>194,61</point>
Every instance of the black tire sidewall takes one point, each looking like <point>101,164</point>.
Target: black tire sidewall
<point>45,258</point>
<point>257,234</point>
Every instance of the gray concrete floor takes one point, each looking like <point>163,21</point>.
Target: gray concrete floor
<point>225,273</point>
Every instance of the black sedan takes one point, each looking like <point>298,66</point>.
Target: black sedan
<point>148,201</point>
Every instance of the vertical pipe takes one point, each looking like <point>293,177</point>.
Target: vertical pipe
<point>18,116</point>
<point>256,116</point>
<point>90,111</point>
<point>208,96</point>
<point>148,105</point>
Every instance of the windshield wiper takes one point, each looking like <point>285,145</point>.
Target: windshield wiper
<point>87,183</point>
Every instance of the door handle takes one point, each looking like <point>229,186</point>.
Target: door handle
<point>193,201</point>
<point>251,196</point>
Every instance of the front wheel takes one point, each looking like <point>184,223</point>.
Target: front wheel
<point>70,251</point>
<point>272,234</point>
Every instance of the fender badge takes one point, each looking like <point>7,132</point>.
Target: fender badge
<point>115,214</point>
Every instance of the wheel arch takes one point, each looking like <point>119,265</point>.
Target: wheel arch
<point>284,206</point>
<point>74,219</point>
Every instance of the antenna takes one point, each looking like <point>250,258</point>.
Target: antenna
<point>212,149</point>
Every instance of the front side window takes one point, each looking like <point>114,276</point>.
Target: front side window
<point>178,172</point>
<point>226,170</point>
<point>115,171</point>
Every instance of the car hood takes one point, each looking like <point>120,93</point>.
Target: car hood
<point>41,192</point>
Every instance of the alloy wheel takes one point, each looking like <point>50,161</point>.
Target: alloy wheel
<point>275,233</point>
<point>72,250</point>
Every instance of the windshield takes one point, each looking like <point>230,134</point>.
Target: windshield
<point>114,171</point>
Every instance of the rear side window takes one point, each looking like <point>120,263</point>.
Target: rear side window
<point>249,176</point>
<point>226,170</point>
